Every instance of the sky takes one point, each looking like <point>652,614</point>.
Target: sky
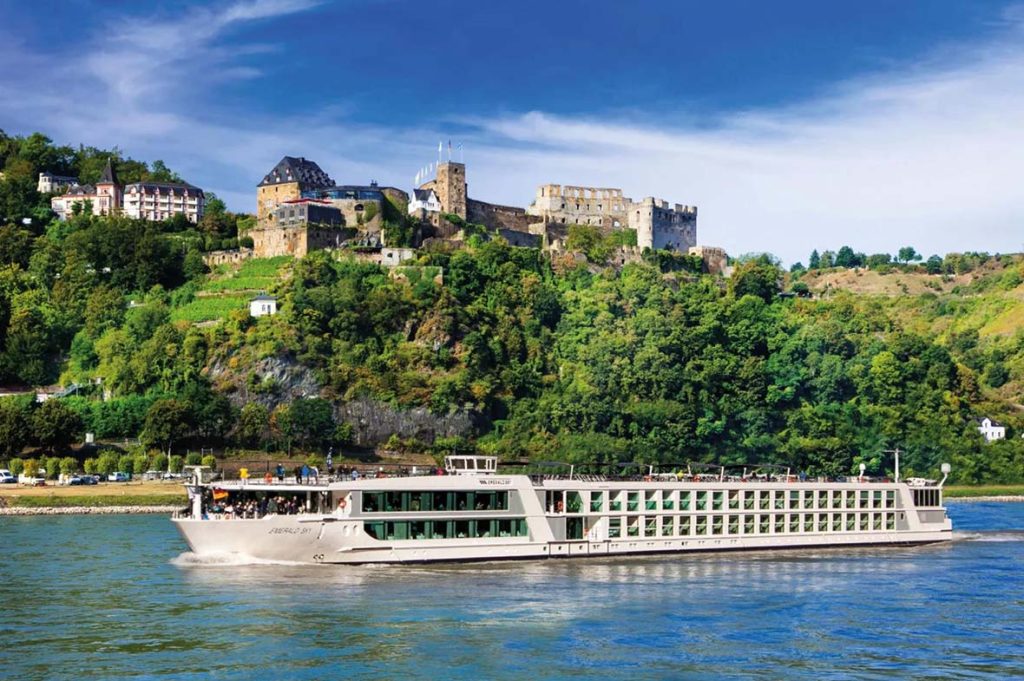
<point>791,125</point>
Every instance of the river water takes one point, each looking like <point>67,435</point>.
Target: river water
<point>115,597</point>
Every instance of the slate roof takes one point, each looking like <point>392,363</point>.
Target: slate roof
<point>423,194</point>
<point>81,190</point>
<point>291,169</point>
<point>166,185</point>
<point>108,176</point>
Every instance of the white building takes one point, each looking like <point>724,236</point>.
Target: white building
<point>991,430</point>
<point>424,200</point>
<point>51,184</point>
<point>145,200</point>
<point>163,200</point>
<point>263,305</point>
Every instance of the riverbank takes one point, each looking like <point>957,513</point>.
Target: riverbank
<point>86,510</point>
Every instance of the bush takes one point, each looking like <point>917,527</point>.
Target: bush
<point>31,468</point>
<point>159,462</point>
<point>106,463</point>
<point>175,463</point>
<point>17,466</point>
<point>126,464</point>
<point>140,463</point>
<point>193,459</point>
<point>68,465</point>
<point>52,466</point>
<point>89,465</point>
<point>211,461</point>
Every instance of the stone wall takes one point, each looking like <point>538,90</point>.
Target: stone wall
<point>374,422</point>
<point>571,205</point>
<point>661,226</point>
<point>231,257</point>
<point>450,187</point>
<point>497,217</point>
<point>715,259</point>
<point>268,197</point>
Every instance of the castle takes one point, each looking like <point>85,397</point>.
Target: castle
<point>300,209</point>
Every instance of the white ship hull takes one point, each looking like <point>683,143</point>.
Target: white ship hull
<point>561,519</point>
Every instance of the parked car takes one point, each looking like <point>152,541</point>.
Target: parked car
<point>6,477</point>
<point>151,475</point>
<point>118,477</point>
<point>171,476</point>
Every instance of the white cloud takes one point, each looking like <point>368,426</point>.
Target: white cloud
<point>926,154</point>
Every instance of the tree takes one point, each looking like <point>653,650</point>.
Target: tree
<point>815,260</point>
<point>167,420</point>
<point>14,427</point>
<point>908,254</point>
<point>757,279</point>
<point>55,425</point>
<point>312,421</point>
<point>253,424</point>
<point>68,465</point>
<point>846,257</point>
<point>934,265</point>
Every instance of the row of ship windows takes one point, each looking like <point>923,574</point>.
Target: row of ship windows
<point>671,526</point>
<point>447,529</point>
<point>726,499</point>
<point>404,502</point>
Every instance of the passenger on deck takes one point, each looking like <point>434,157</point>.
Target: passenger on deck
<point>280,473</point>
<point>305,474</point>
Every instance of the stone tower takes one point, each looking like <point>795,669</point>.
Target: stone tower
<point>286,182</point>
<point>450,187</point>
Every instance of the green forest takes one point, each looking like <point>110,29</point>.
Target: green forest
<point>555,360</point>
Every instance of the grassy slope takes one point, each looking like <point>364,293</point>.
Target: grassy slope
<point>230,288</point>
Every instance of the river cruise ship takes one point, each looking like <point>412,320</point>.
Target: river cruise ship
<point>469,512</point>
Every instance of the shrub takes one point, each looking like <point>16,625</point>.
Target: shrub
<point>68,465</point>
<point>175,463</point>
<point>210,460</point>
<point>193,459</point>
<point>126,464</point>
<point>16,465</point>
<point>89,465</point>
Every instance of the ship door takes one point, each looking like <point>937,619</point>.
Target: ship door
<point>574,529</point>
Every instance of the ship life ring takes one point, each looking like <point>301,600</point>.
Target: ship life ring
<point>268,478</point>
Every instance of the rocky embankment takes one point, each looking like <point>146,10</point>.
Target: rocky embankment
<point>85,510</point>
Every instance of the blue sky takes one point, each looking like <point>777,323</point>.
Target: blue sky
<point>791,125</point>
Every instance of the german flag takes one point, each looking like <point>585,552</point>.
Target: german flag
<point>219,494</point>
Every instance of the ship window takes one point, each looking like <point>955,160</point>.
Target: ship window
<point>651,528</point>
<point>651,501</point>
<point>684,525</point>
<point>794,499</point>
<point>822,522</point>
<point>748,499</point>
<point>702,524</point>
<point>780,500</point>
<point>734,524</point>
<point>877,501</point>
<point>614,528</point>
<point>668,503</point>
<point>822,499</point>
<point>615,505</point>
<point>419,501</point>
<point>418,530</point>
<point>461,529</point>
<point>463,500</point>
<point>633,501</point>
<point>850,522</point>
<point>482,528</point>
<point>864,498</point>
<point>780,524</point>
<point>717,499</point>
<point>876,521</point>
<point>668,526</point>
<point>633,526</point>
<point>716,525</point>
<point>748,524</point>
<point>397,530</point>
<point>439,529</point>
<point>372,501</point>
<point>702,500</point>
<point>439,501</point>
<point>890,521</point>
<point>684,501</point>
<point>794,522</point>
<point>574,502</point>
<point>851,499</point>
<point>837,499</point>
<point>890,498</point>
<point>764,524</point>
<point>809,522</point>
<point>863,520</point>
<point>734,499</point>
<point>808,499</point>
<point>764,500</point>
<point>837,522</point>
<point>375,530</point>
<point>596,501</point>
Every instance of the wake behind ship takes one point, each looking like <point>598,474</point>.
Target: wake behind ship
<point>474,513</point>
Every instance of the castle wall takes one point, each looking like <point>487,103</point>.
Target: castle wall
<point>571,205</point>
<point>715,259</point>
<point>660,226</point>
<point>269,196</point>
<point>496,217</point>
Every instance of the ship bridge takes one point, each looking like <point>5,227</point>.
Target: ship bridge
<point>470,465</point>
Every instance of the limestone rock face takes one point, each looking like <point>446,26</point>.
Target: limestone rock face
<point>373,422</point>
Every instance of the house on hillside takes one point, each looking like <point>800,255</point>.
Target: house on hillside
<point>263,305</point>
<point>991,430</point>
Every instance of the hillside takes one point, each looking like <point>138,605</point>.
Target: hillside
<point>495,348</point>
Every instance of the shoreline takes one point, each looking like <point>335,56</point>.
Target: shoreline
<point>86,510</point>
